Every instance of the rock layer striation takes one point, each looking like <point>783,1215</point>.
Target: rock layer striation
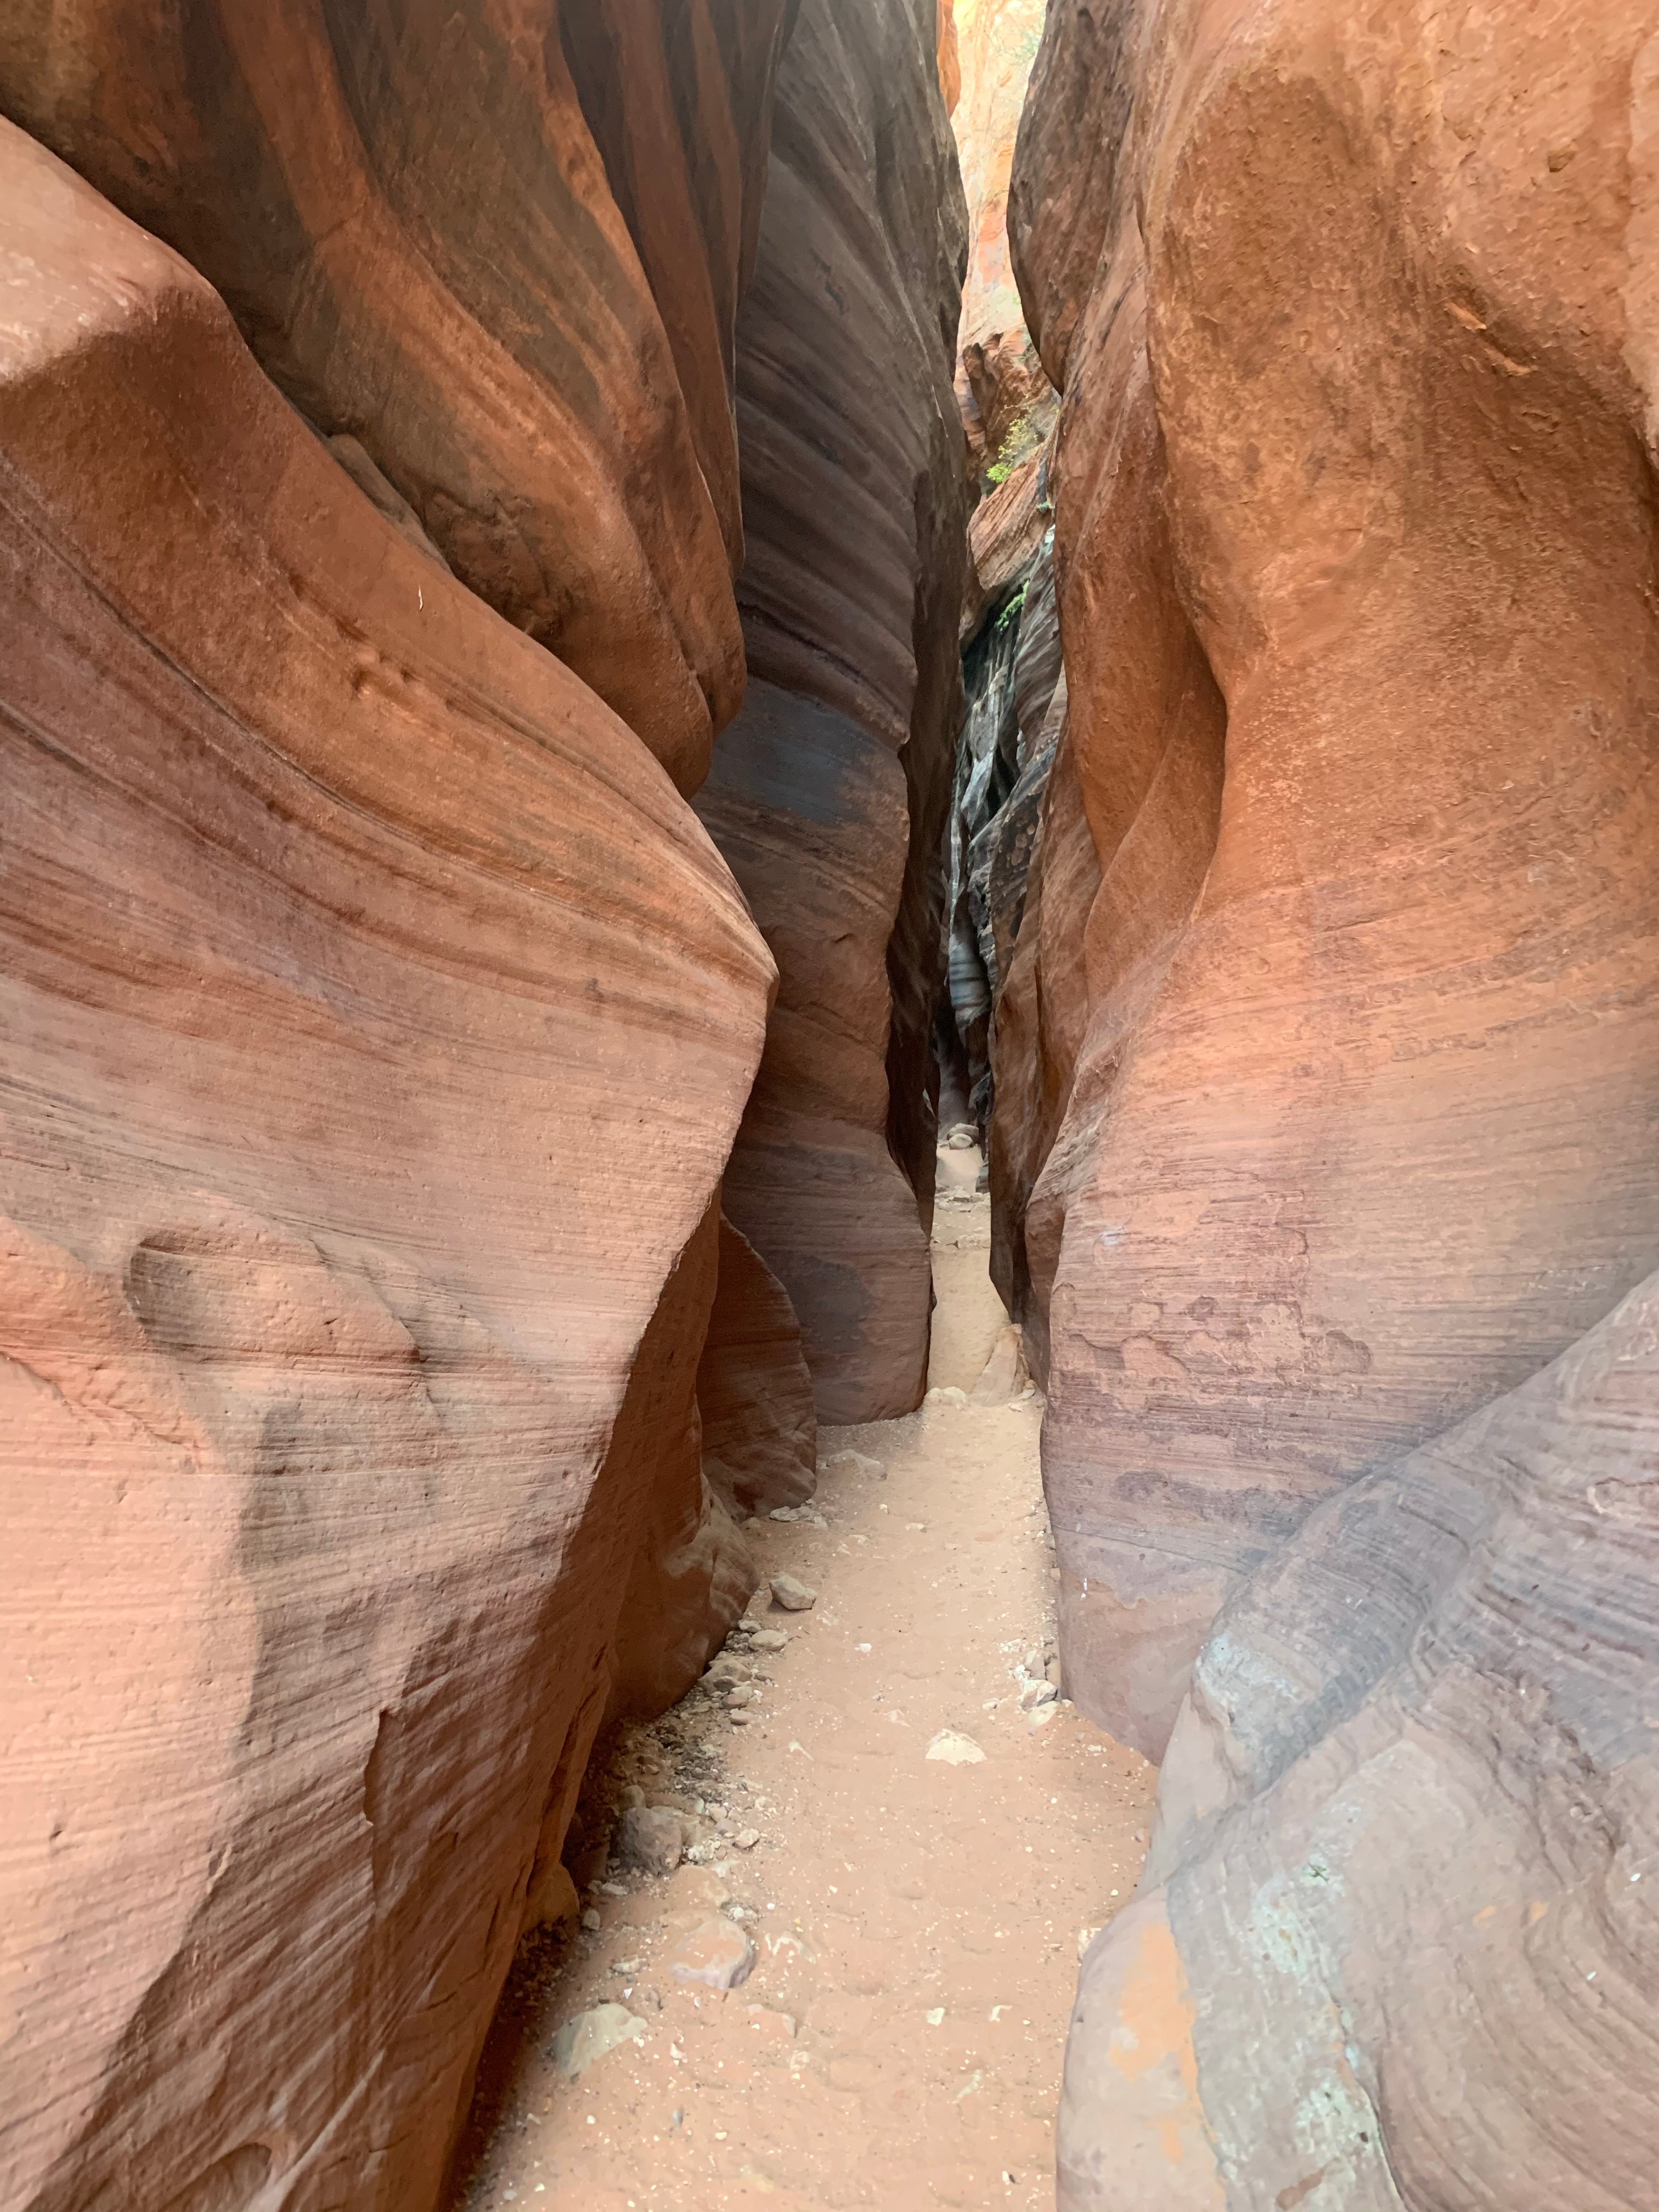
<point>345,930</point>
<point>556,408</point>
<point>1325,1070</point>
<point>828,794</point>
<point>1357,1063</point>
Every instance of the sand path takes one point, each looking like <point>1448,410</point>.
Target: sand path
<point>915,1923</point>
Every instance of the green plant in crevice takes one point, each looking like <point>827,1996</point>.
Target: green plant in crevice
<point>1010,614</point>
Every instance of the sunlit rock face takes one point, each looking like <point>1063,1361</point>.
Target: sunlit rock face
<point>555,409</point>
<point>1326,1070</point>
<point>827,793</point>
<point>346,930</point>
<point>1358,1039</point>
<point>1006,402</point>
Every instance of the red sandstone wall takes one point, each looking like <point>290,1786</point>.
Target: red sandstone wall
<point>828,792</point>
<point>345,929</point>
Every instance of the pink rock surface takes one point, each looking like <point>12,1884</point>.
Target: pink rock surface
<point>828,792</point>
<point>1356,1135</point>
<point>409,217</point>
<point>1399,1936</point>
<point>345,933</point>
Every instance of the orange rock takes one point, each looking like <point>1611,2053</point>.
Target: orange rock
<point>1370,1037</point>
<point>1402,1841</point>
<point>333,175</point>
<point>715,1955</point>
<point>754,1393</point>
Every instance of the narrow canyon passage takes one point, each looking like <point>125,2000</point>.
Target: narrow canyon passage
<point>829,1058</point>
<point>915,1923</point>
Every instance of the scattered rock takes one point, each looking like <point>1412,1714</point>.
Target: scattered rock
<point>794,1596</point>
<point>955,1749</point>
<point>780,2025</point>
<point>727,1673</point>
<point>1035,1694</point>
<point>694,1893</point>
<point>1040,1716</point>
<point>650,1837</point>
<point>1085,1937</point>
<point>591,2034</point>
<point>741,1720</point>
<point>552,1899</point>
<point>935,2017</point>
<point>770,1639</point>
<point>946,1394</point>
<point>592,1921</point>
<point>960,1141</point>
<point>744,1694</point>
<point>746,1838</point>
<point>715,1955</point>
<point>853,1463</point>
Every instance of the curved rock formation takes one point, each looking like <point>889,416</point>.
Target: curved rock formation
<point>1398,1939</point>
<point>829,793</point>
<point>333,172</point>
<point>1354,442</point>
<point>346,931</point>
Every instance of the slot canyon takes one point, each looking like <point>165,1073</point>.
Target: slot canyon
<point>829,1312</point>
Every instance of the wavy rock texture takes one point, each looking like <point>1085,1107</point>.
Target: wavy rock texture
<point>1015,707</point>
<point>828,794</point>
<point>344,931</point>
<point>1359,1052</point>
<point>1397,1943</point>
<point>557,409</point>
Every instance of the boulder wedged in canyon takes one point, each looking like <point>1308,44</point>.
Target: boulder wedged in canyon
<point>1398,1939</point>
<point>828,792</point>
<point>564,436</point>
<point>1356,1126</point>
<point>346,931</point>
<point>754,1392</point>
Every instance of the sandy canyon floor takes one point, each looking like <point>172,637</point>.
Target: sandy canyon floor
<point>915,1923</point>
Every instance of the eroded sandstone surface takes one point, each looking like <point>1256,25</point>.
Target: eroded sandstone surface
<point>828,792</point>
<point>1352,488</point>
<point>1324,1076</point>
<point>345,928</point>
<point>502,249</point>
